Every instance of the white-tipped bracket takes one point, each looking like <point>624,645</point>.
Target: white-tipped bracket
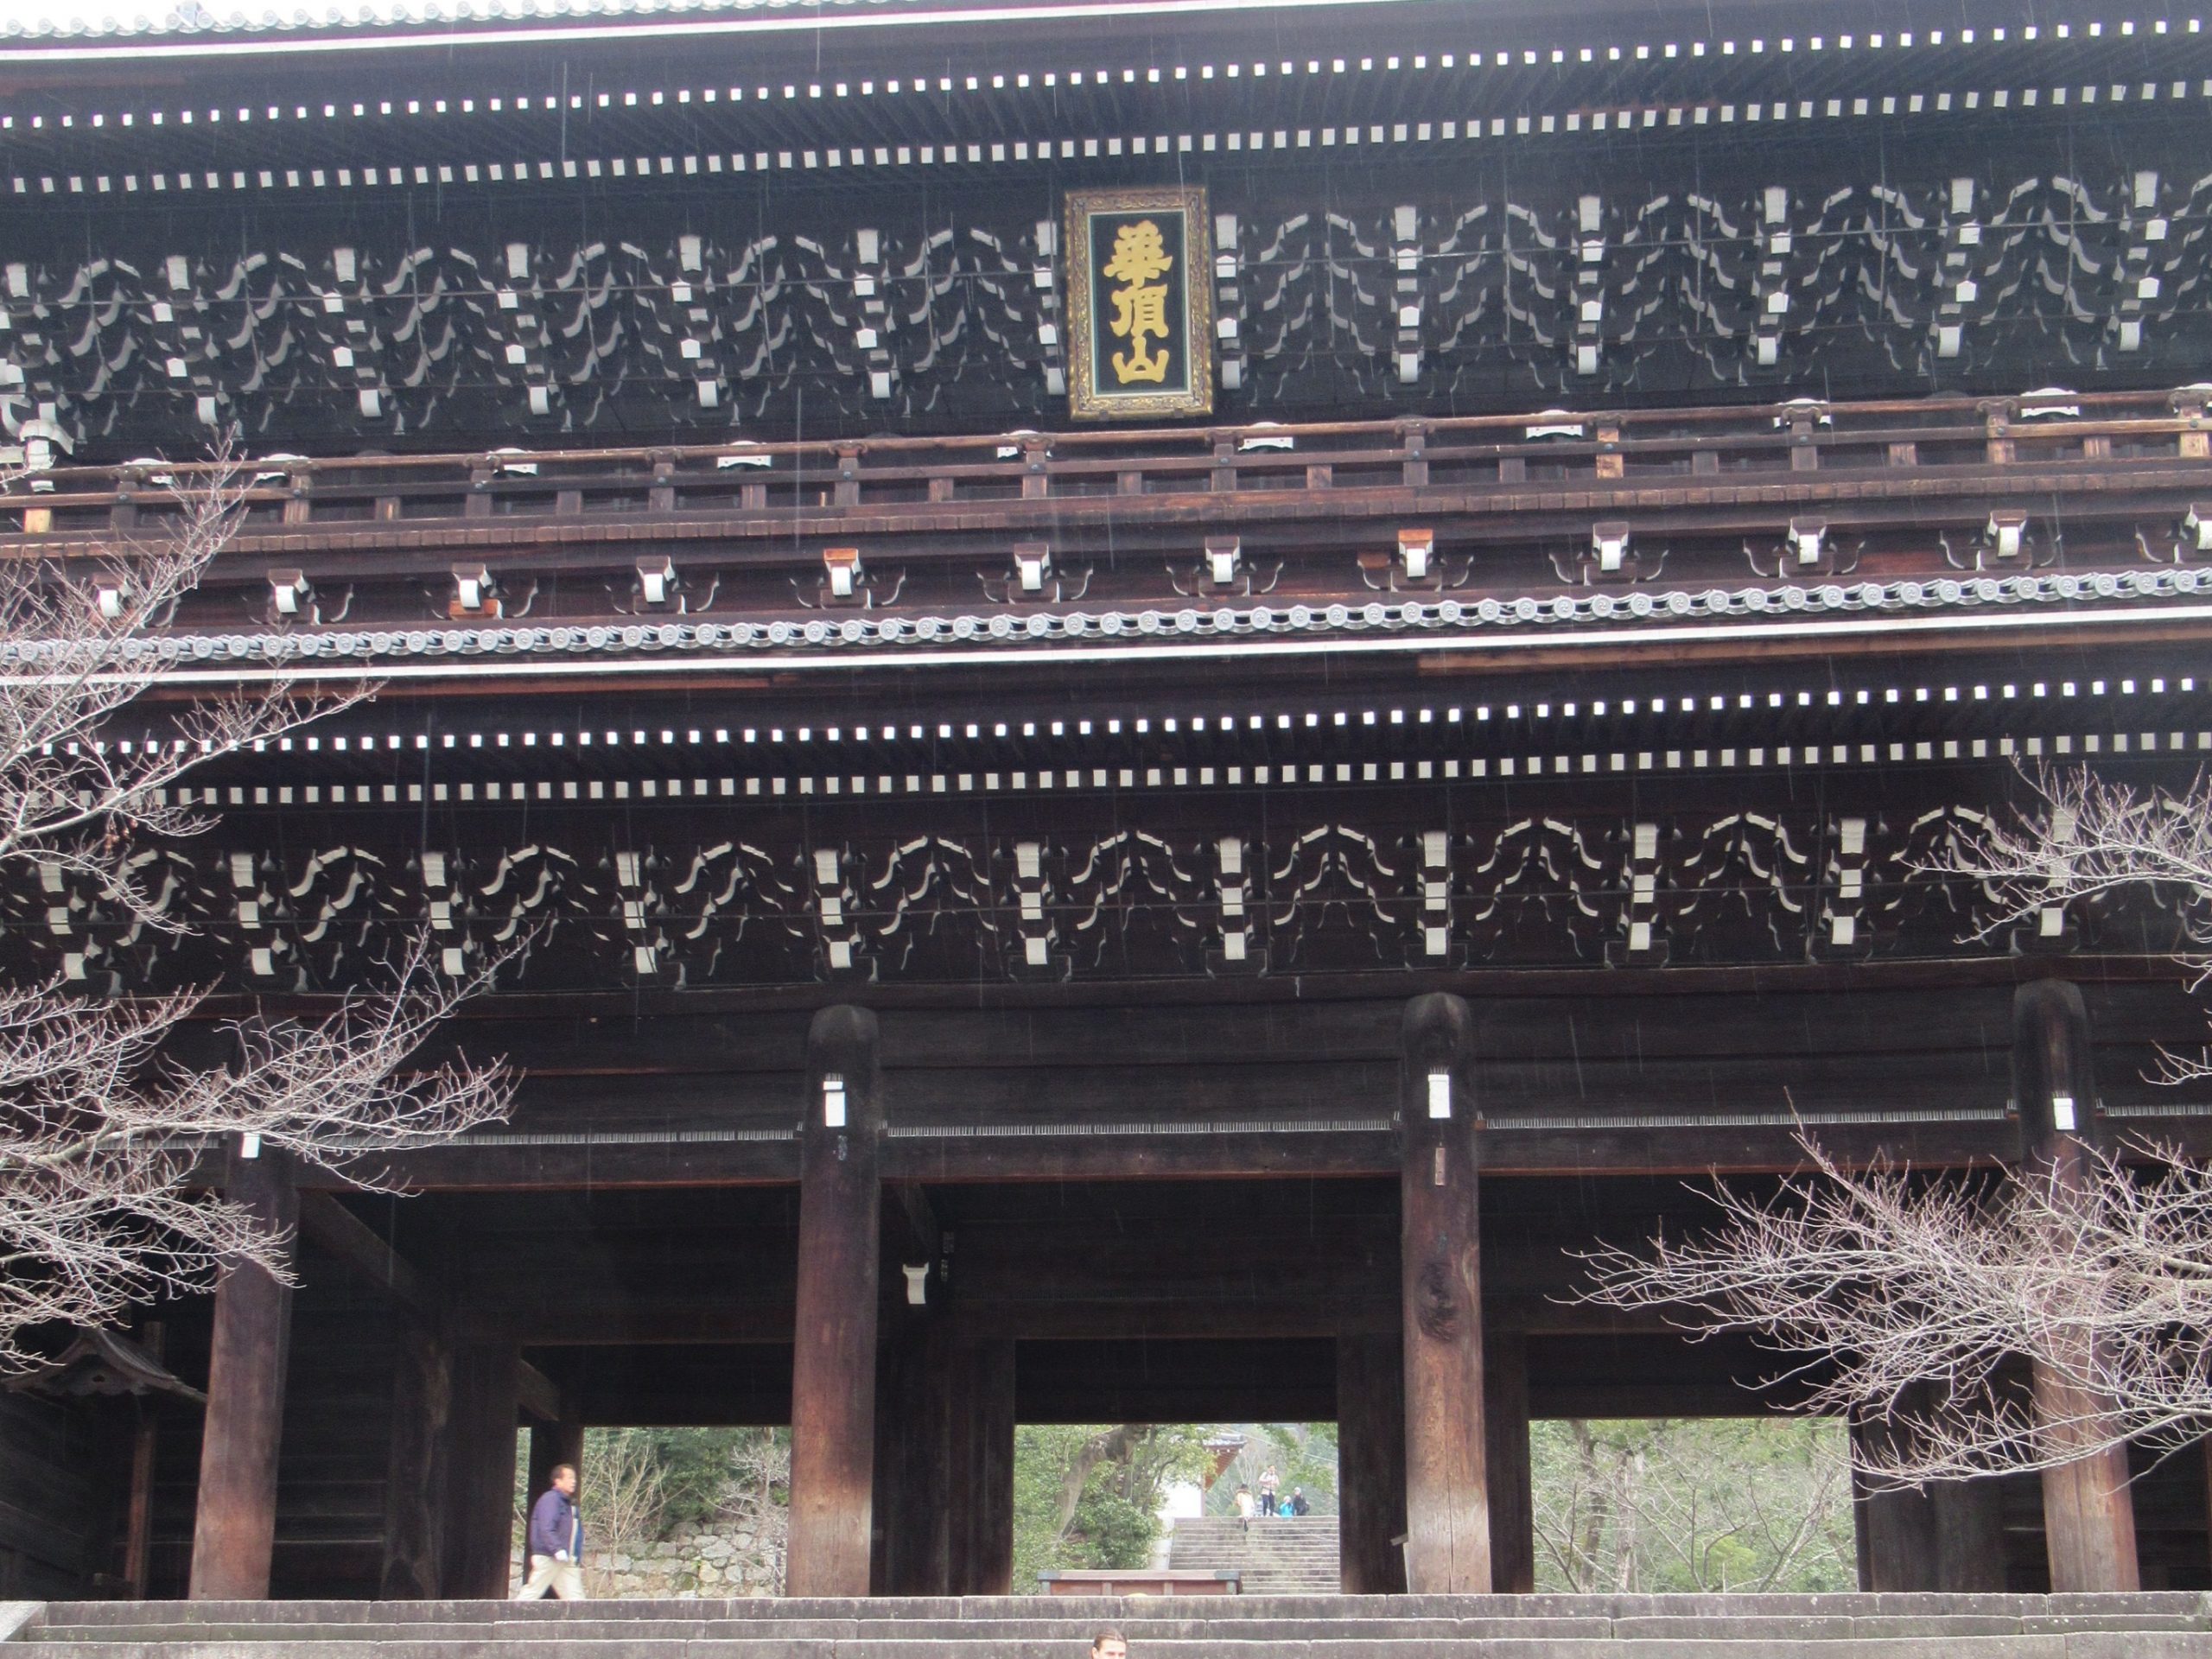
<point>1032,562</point>
<point>110,596</point>
<point>1224,555</point>
<point>657,580</point>
<point>2007,531</point>
<point>2197,525</point>
<point>918,1282</point>
<point>1806,538</point>
<point>472,588</point>
<point>1416,549</point>
<point>289,592</point>
<point>844,565</point>
<point>1608,541</point>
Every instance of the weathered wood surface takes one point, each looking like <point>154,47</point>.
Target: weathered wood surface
<point>2088,1507</point>
<point>479,1460</point>
<point>1447,1497</point>
<point>1371,1463</point>
<point>234,1535</point>
<point>833,1362</point>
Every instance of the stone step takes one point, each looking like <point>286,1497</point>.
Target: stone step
<point>249,1620</point>
<point>1719,1644</point>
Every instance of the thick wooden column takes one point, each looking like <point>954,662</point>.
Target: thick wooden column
<point>1447,1496</point>
<point>2089,1509</point>
<point>481,1430</point>
<point>138,1514</point>
<point>415,1473</point>
<point>834,1357</point>
<point>1894,1528</point>
<point>1512,1495</point>
<point>234,1531</point>
<point>980,1534</point>
<point>1370,1465</point>
<point>552,1444</point>
<point>1969,1535</point>
<point>913,1472</point>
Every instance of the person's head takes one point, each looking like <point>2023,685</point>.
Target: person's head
<point>564,1479</point>
<point>1110,1645</point>
<point>1241,1487</point>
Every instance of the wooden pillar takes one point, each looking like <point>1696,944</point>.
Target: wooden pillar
<point>1447,1498</point>
<point>913,1461</point>
<point>234,1531</point>
<point>1895,1529</point>
<point>1512,1497</point>
<point>138,1515</point>
<point>1370,1465</point>
<point>980,1535</point>
<point>415,1472</point>
<point>481,1431</point>
<point>2089,1507</point>
<point>552,1444</point>
<point>1969,1535</point>
<point>834,1357</point>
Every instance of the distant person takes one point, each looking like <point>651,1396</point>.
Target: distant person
<point>1284,1510</point>
<point>1268,1482</point>
<point>1110,1645</point>
<point>556,1541</point>
<point>1244,1507</point>
<point>1297,1504</point>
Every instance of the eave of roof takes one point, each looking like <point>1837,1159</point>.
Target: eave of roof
<point>524,22</point>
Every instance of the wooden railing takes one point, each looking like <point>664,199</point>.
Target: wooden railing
<point>818,482</point>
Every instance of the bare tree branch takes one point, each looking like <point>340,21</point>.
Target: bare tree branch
<point>1881,1281</point>
<point>101,1125</point>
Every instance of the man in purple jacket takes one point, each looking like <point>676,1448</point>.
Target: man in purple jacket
<point>556,1541</point>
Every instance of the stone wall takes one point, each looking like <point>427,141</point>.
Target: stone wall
<point>691,1563</point>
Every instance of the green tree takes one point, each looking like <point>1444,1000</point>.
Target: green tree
<point>1666,1504</point>
<point>1089,1496</point>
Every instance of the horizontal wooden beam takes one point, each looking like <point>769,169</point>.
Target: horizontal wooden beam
<point>1673,1149</point>
<point>537,1394</point>
<point>332,1228</point>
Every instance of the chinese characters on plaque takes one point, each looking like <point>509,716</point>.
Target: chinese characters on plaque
<point>1139,265</point>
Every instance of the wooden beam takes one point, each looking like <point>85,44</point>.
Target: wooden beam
<point>1969,1536</point>
<point>834,1356</point>
<point>1371,1463</point>
<point>2088,1506</point>
<point>234,1527</point>
<point>915,1405</point>
<point>1894,1528</point>
<point>326,1224</point>
<point>1508,1472</point>
<point>980,1512</point>
<point>415,1468</point>
<point>536,1394</point>
<point>552,1444</point>
<point>1447,1500</point>
<point>480,1470</point>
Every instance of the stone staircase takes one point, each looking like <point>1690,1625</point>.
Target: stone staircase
<point>1278,1556</point>
<point>2173,1625</point>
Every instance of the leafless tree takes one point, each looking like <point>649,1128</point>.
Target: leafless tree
<point>102,1125</point>
<point>1884,1283</point>
<point>2084,839</point>
<point>1926,1301</point>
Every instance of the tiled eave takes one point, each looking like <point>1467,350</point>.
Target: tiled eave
<point>1902,613</point>
<point>1076,94</point>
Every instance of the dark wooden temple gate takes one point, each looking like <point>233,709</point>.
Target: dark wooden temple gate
<point>1231,908</point>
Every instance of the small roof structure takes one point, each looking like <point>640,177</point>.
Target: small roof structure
<point>105,1363</point>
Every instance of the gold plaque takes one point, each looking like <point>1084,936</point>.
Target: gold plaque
<point>1139,265</point>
